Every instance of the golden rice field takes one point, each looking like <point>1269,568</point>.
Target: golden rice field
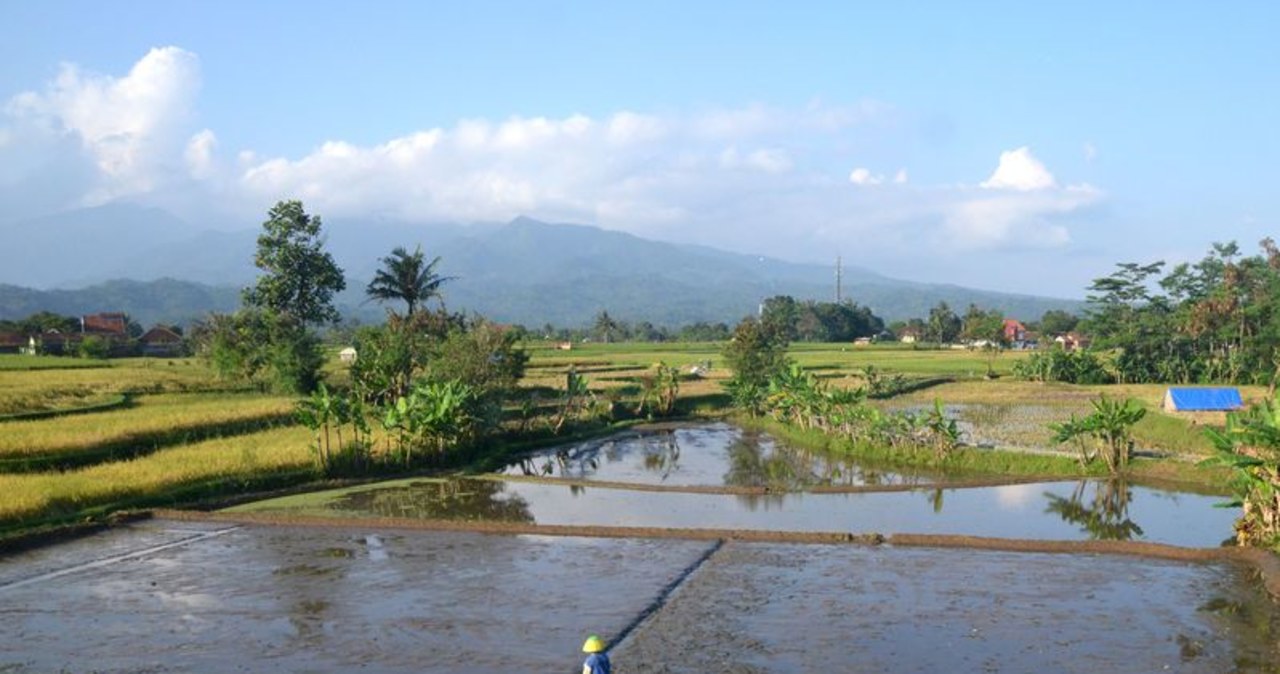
<point>150,415</point>
<point>246,459</point>
<point>52,388</point>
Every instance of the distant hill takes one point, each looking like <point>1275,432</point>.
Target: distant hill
<point>147,302</point>
<point>524,271</point>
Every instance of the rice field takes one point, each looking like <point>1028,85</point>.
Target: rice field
<point>241,460</point>
<point>49,388</point>
<point>150,419</point>
<point>187,432</point>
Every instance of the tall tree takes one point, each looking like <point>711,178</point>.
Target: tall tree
<point>404,277</point>
<point>299,277</point>
<point>944,325</point>
<point>605,325</point>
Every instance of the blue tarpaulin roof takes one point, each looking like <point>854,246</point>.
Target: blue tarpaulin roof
<point>1205,399</point>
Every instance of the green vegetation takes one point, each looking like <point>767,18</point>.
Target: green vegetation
<point>1217,320</point>
<point>1250,447</point>
<point>1107,432</point>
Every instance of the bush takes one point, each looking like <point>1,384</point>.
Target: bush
<point>95,347</point>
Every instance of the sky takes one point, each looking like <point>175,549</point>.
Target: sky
<point>1020,147</point>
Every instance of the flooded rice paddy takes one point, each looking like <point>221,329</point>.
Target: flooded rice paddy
<point>1091,510</point>
<point>217,596</point>
<point>706,455</point>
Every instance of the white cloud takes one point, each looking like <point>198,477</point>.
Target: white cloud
<point>862,176</point>
<point>1019,170</point>
<point>199,154</point>
<point>757,178</point>
<point>130,126</point>
<point>1090,151</point>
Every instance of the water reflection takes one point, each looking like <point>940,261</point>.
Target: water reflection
<point>715,454</point>
<point>1104,515</point>
<point>460,499</point>
<point>1044,511</point>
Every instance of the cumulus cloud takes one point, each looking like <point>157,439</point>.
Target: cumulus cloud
<point>1020,205</point>
<point>755,178</point>
<point>1019,170</point>
<point>128,126</point>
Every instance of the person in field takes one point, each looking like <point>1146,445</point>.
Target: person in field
<point>597,661</point>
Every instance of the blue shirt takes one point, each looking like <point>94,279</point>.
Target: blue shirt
<point>597,663</point>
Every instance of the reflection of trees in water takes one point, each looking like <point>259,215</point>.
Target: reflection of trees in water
<point>660,454</point>
<point>447,499</point>
<point>663,456</point>
<point>757,460</point>
<point>1105,516</point>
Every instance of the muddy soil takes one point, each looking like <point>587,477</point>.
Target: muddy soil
<point>787,608</point>
<point>254,599</point>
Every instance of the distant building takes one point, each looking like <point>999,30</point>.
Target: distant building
<point>1072,341</point>
<point>161,342</point>
<point>1202,399</point>
<point>12,342</point>
<point>110,325</point>
<point>1014,331</point>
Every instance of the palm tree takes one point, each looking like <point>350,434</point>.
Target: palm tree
<point>404,277</point>
<point>605,325</point>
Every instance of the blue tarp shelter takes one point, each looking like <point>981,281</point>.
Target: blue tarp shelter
<point>1185,399</point>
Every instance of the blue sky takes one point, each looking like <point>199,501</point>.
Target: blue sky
<point>1012,146</point>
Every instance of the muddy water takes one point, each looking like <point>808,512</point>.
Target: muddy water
<point>1089,510</point>
<point>177,597</point>
<point>330,600</point>
<point>712,455</point>
<point>786,608</point>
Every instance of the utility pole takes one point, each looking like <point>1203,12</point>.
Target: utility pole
<point>839,279</point>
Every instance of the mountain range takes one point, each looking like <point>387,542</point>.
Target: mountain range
<point>160,268</point>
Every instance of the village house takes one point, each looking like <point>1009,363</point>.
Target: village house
<point>161,342</point>
<point>12,342</point>
<point>1072,341</point>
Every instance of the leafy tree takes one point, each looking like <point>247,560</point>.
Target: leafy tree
<point>943,325</point>
<point>406,278</point>
<point>780,315</point>
<point>704,332</point>
<point>981,325</point>
<point>299,277</point>
<point>486,357</point>
<point>95,347</point>
<point>1057,322</point>
<point>756,354</point>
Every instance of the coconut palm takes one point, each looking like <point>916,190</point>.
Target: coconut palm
<point>405,277</point>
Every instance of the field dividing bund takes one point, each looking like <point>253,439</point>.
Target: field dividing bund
<point>150,423</point>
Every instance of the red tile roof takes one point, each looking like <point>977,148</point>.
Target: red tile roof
<point>106,324</point>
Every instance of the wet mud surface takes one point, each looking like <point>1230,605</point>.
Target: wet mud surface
<point>170,596</point>
<point>706,455</point>
<point>254,599</point>
<point>786,608</point>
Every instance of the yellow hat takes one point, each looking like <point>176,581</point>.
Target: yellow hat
<point>593,644</point>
